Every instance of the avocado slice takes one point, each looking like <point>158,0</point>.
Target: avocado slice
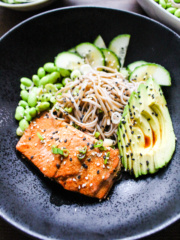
<point>147,129</point>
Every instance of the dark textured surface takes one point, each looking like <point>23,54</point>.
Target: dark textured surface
<point>39,206</point>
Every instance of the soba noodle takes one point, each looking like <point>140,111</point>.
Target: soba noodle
<point>97,99</point>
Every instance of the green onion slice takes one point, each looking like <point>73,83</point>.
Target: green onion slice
<point>98,144</point>
<point>65,152</point>
<point>81,156</point>
<point>40,136</point>
<point>83,150</point>
<point>107,158</point>
<point>69,110</point>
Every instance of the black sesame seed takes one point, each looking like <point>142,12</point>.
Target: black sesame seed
<point>132,132</point>
<point>32,157</point>
<point>79,177</point>
<point>51,137</point>
<point>92,146</point>
<point>89,159</point>
<point>88,144</point>
<point>84,139</point>
<point>147,163</point>
<point>57,165</point>
<point>65,140</point>
<point>98,171</point>
<point>124,135</point>
<point>139,137</point>
<point>85,166</point>
<point>70,159</point>
<point>29,138</point>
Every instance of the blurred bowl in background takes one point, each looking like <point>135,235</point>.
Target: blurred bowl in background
<point>155,11</point>
<point>27,6</point>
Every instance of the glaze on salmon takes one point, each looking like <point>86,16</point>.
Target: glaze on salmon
<point>89,176</point>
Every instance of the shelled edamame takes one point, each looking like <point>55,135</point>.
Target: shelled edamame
<point>38,94</point>
<point>172,6</point>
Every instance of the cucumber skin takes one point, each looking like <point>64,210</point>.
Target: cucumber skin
<point>152,64</point>
<point>122,60</point>
<point>112,54</point>
<point>92,45</point>
<point>131,64</point>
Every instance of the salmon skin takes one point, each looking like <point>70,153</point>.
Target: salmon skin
<point>91,176</point>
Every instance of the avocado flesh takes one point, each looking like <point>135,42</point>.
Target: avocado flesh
<point>149,128</point>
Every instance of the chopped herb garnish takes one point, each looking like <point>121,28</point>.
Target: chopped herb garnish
<point>83,150</point>
<point>81,156</point>
<point>106,158</point>
<point>96,134</point>
<point>40,136</point>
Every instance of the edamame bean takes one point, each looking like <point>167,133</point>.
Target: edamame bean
<point>23,87</point>
<point>58,85</point>
<point>45,97</point>
<point>177,1</point>
<point>50,78</point>
<point>27,116</point>
<point>51,88</point>
<point>50,67</point>
<point>171,10</point>
<point>42,106</point>
<point>23,124</point>
<point>26,81</point>
<point>32,112</point>
<point>177,13</point>
<point>19,114</point>
<point>23,103</point>
<point>54,77</point>
<point>44,80</point>
<point>32,99</point>
<point>41,72</point>
<point>64,72</point>
<point>35,79</point>
<point>24,95</point>
<point>75,74</point>
<point>162,3</point>
<point>168,4</point>
<point>19,132</point>
<point>53,100</point>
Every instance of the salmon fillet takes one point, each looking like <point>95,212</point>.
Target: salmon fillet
<point>89,176</point>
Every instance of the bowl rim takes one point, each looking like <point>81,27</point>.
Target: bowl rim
<point>24,229</point>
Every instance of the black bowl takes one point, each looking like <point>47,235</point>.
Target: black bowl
<point>42,208</point>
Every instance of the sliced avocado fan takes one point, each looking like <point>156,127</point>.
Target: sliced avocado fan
<point>146,138</point>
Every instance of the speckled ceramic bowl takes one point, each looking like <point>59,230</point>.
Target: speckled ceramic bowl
<point>27,6</point>
<point>42,208</point>
<point>155,11</point>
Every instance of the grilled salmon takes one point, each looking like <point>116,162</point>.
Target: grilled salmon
<point>93,175</point>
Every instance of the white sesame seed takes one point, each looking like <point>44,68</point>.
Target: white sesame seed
<point>79,187</point>
<point>98,164</point>
<point>102,177</point>
<point>86,178</point>
<point>84,185</point>
<point>91,184</point>
<point>74,179</point>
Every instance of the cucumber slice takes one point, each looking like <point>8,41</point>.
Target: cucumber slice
<point>92,54</point>
<point>72,50</point>
<point>156,71</point>
<point>134,65</point>
<point>99,42</point>
<point>68,60</point>
<point>119,46</point>
<point>111,59</point>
